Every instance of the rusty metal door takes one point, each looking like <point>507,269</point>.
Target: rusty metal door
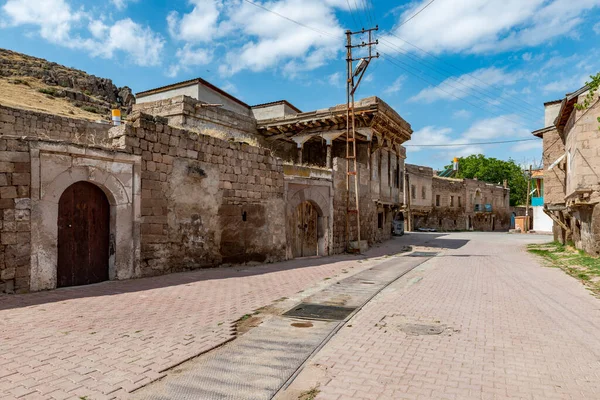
<point>83,235</point>
<point>306,232</point>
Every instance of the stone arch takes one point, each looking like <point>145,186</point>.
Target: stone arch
<point>123,245</point>
<point>324,217</point>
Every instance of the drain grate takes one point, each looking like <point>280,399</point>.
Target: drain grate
<point>422,254</point>
<point>319,312</point>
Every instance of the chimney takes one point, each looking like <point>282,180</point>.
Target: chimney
<point>455,164</point>
<point>505,184</point>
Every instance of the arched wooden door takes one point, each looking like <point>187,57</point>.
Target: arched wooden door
<point>306,243</point>
<point>83,235</point>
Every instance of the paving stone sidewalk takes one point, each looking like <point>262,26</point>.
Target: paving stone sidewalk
<point>510,328</point>
<point>103,341</point>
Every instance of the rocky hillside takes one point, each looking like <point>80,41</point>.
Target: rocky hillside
<point>35,83</point>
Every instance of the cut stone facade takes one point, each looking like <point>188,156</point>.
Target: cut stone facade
<point>572,193</point>
<point>447,204</point>
<point>186,190</point>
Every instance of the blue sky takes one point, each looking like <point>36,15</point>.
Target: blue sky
<point>460,71</point>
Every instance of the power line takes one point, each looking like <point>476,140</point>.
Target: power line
<point>356,24</point>
<point>462,71</point>
<point>360,19</point>
<point>468,144</point>
<point>390,58</point>
<point>475,88</point>
<point>415,14</point>
<point>291,20</point>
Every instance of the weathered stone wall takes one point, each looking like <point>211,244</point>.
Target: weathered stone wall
<point>205,201</point>
<point>15,238</point>
<point>582,142</point>
<point>420,186</point>
<point>582,183</point>
<point>555,179</point>
<point>368,209</point>
<point>17,122</point>
<point>189,113</point>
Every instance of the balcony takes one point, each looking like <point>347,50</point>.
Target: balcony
<point>483,208</point>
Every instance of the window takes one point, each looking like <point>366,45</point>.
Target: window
<point>413,192</point>
<point>459,201</point>
<point>437,200</point>
<point>451,201</point>
<point>423,193</point>
<point>380,220</point>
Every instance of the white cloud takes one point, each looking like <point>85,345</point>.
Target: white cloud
<point>481,26</point>
<point>257,40</point>
<point>121,4</point>
<point>271,41</point>
<point>396,86</point>
<point>188,57</point>
<point>527,56</point>
<point>432,135</point>
<point>496,128</point>
<point>506,127</point>
<point>55,18</point>
<point>462,114</point>
<point>455,88</point>
<point>527,146</point>
<point>141,44</point>
<point>200,25</point>
<point>596,28</point>
<point>336,79</point>
<point>59,24</point>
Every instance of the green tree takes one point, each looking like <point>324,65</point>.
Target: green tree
<point>594,85</point>
<point>495,171</point>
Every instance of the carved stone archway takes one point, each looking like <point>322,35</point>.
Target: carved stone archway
<point>117,175</point>
<point>316,196</point>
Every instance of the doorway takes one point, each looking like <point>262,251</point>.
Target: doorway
<point>306,238</point>
<point>83,235</point>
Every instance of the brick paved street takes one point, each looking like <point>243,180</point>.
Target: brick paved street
<point>105,340</point>
<point>511,329</point>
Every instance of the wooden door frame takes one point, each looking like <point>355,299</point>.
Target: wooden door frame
<point>51,175</point>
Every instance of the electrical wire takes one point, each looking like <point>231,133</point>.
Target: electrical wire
<point>391,59</point>
<point>502,105</point>
<point>460,70</point>
<point>387,57</point>
<point>291,20</point>
<point>356,24</point>
<point>469,144</point>
<point>415,14</point>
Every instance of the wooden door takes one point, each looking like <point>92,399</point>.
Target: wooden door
<point>83,235</point>
<point>306,232</point>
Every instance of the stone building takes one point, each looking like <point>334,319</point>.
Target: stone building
<point>571,156</point>
<point>449,204</point>
<point>187,183</point>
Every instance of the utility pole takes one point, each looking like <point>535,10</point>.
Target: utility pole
<point>352,201</point>
<point>528,196</point>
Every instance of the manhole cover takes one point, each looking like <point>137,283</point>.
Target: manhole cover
<point>302,324</point>
<point>422,254</point>
<point>319,311</point>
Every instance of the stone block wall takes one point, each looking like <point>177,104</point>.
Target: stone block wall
<point>15,247</point>
<point>582,144</point>
<point>18,122</point>
<point>555,179</point>
<point>205,201</point>
<point>368,209</point>
<point>189,113</point>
